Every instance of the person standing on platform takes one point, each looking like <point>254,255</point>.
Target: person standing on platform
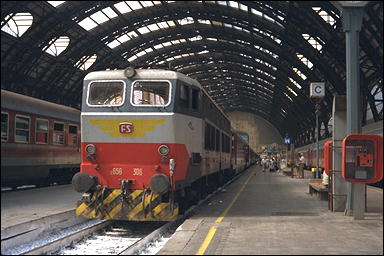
<point>264,163</point>
<point>301,166</point>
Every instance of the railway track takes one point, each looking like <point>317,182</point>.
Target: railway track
<point>84,237</point>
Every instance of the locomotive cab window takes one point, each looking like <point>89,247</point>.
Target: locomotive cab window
<point>151,93</point>
<point>72,135</point>
<point>106,93</point>
<point>58,133</point>
<point>41,131</point>
<point>4,126</point>
<point>22,128</point>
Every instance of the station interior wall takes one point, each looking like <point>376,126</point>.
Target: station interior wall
<point>260,131</point>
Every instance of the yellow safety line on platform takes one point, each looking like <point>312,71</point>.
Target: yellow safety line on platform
<point>213,229</point>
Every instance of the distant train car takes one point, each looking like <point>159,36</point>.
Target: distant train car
<point>39,141</point>
<point>309,151</point>
<point>153,141</point>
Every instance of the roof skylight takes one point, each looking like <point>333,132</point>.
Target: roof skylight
<point>304,60</point>
<point>313,42</point>
<point>58,45</point>
<point>297,71</point>
<point>56,3</point>
<point>86,62</point>
<point>17,24</point>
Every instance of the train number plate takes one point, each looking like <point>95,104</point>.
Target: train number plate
<point>137,171</point>
<point>117,171</point>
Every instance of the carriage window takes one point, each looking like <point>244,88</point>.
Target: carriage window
<point>151,93</point>
<point>22,129</point>
<point>106,93</point>
<point>4,126</point>
<point>58,133</point>
<point>72,135</point>
<point>41,131</point>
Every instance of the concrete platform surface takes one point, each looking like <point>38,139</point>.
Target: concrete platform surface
<point>274,214</point>
<point>22,206</point>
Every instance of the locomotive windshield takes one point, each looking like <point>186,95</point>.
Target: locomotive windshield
<point>150,93</point>
<point>106,93</point>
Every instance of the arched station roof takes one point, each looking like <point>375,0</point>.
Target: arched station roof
<point>251,56</point>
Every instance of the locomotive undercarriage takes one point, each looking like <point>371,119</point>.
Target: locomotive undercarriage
<point>146,205</point>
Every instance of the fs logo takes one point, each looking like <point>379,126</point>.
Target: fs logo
<point>126,127</point>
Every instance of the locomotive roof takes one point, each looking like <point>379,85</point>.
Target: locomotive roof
<point>142,74</point>
<point>22,103</point>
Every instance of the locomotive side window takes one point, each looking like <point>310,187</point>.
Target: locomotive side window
<point>72,135</point>
<point>4,126</point>
<point>41,131</point>
<point>195,99</point>
<point>151,93</point>
<point>58,133</point>
<point>106,93</point>
<point>22,128</point>
<point>184,96</point>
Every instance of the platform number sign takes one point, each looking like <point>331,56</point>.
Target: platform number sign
<point>317,90</point>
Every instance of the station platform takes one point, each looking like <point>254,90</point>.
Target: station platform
<point>22,206</point>
<point>271,213</point>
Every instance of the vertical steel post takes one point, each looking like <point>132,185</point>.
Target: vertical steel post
<point>352,18</point>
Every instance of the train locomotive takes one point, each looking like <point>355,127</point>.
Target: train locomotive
<point>153,143</point>
<point>39,141</point>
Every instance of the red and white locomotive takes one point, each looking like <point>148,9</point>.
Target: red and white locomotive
<point>152,142</point>
<point>39,141</point>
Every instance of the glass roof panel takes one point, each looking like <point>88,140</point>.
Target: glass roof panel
<point>143,30</point>
<point>109,12</point>
<point>87,24</point>
<point>122,7</point>
<point>123,38</point>
<point>89,60</point>
<point>56,3</point>
<point>297,71</point>
<point>132,58</point>
<point>147,3</point>
<point>294,82</point>
<point>113,44</point>
<point>304,60</point>
<point>99,17</point>
<point>135,5</point>
<point>312,41</point>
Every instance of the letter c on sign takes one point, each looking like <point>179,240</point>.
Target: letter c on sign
<point>318,89</point>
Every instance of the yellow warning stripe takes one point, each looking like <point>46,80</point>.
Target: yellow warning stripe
<point>159,208</point>
<point>139,207</point>
<point>114,211</point>
<point>115,193</point>
<point>135,194</point>
<point>81,208</point>
<point>213,229</point>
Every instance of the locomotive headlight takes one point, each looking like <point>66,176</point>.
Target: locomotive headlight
<point>163,150</point>
<point>129,72</point>
<point>90,149</point>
